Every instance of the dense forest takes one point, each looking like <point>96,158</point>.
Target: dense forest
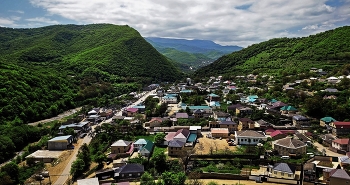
<point>326,50</point>
<point>51,69</point>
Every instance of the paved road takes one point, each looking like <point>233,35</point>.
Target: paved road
<point>58,117</point>
<point>119,113</point>
<point>328,152</point>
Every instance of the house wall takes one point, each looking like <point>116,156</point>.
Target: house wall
<point>245,126</point>
<point>322,123</point>
<point>126,176</point>
<point>278,174</point>
<point>245,141</point>
<point>300,123</point>
<point>231,128</point>
<point>57,145</point>
<point>180,139</point>
<point>338,181</point>
<point>218,135</point>
<point>287,151</point>
<point>340,131</point>
<point>339,146</point>
<point>175,151</point>
<point>119,149</point>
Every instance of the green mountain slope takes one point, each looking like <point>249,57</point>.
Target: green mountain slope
<point>294,55</point>
<point>191,53</point>
<point>51,69</point>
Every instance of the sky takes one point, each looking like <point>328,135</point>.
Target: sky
<point>227,22</point>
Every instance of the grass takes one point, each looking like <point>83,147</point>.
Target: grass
<point>159,149</point>
<point>148,137</point>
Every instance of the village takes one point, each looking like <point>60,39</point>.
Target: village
<point>216,128</point>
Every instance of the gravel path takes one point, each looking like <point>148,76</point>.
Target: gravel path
<point>58,117</point>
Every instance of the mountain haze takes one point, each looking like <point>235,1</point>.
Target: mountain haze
<point>325,50</point>
<point>192,53</point>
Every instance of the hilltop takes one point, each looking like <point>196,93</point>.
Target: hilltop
<point>325,50</point>
<point>191,53</point>
<point>51,69</point>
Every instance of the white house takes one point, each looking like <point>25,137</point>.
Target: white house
<point>249,137</point>
<point>169,99</point>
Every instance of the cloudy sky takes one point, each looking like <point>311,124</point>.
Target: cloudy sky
<point>227,22</point>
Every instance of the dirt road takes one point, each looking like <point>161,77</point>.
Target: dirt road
<point>58,117</point>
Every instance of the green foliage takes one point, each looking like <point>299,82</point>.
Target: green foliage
<point>325,50</point>
<point>158,160</point>
<point>147,179</point>
<point>173,178</point>
<point>159,138</point>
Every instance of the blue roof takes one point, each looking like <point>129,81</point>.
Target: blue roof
<point>174,95</point>
<point>253,97</point>
<point>139,107</point>
<point>199,107</point>
<point>273,101</point>
<point>214,95</point>
<point>59,138</point>
<point>168,97</point>
<point>192,138</point>
<point>214,103</point>
<point>186,91</point>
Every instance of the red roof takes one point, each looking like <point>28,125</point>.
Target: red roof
<point>341,141</point>
<point>339,124</point>
<point>132,110</point>
<point>275,133</point>
<point>288,131</point>
<point>270,130</point>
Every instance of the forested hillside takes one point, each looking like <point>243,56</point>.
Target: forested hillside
<point>325,50</point>
<point>191,53</point>
<point>47,70</point>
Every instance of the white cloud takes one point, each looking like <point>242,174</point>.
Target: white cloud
<point>227,21</point>
<point>42,20</point>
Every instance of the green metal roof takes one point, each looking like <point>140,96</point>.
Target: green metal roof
<point>288,108</point>
<point>328,119</point>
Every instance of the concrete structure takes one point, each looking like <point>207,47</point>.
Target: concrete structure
<point>340,128</point>
<point>341,144</point>
<point>121,147</point>
<point>92,181</point>
<point>45,156</point>
<point>60,143</point>
<point>326,121</point>
<point>246,124</point>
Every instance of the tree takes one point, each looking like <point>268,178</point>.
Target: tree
<point>173,178</point>
<point>100,158</point>
<point>77,168</point>
<point>159,138</point>
<point>159,161</point>
<point>12,170</point>
<point>194,179</point>
<point>147,179</point>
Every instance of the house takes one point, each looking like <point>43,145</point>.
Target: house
<point>340,128</point>
<point>283,170</point>
<point>261,124</point>
<point>327,139</point>
<point>249,137</point>
<point>91,181</point>
<point>169,99</point>
<point>337,177</point>
<point>107,113</point>
<point>245,124</point>
<point>155,122</point>
<point>45,156</point>
<point>233,107</point>
<point>213,97</point>
<point>244,111</point>
<point>302,137</point>
<point>147,149</point>
<point>60,142</point>
<point>78,127</point>
<point>219,132</point>
<point>326,121</point>
<point>289,147</point>
<point>129,172</point>
<point>175,147</point>
<point>344,161</point>
<point>215,104</point>
<point>196,130</point>
<point>121,147</point>
<point>300,121</point>
<point>138,144</point>
<point>310,172</point>
<point>131,112</point>
<point>279,134</point>
<point>205,109</point>
<point>341,144</point>
<point>140,108</point>
<point>198,113</point>
<point>332,80</point>
<point>331,90</point>
<point>276,105</point>
<point>288,110</point>
<point>179,135</point>
<point>230,125</point>
<point>219,115</point>
<point>181,115</point>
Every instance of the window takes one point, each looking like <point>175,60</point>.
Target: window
<point>138,174</point>
<point>282,174</point>
<point>275,172</point>
<point>289,175</point>
<point>130,175</point>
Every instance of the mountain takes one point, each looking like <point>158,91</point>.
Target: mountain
<point>326,50</point>
<point>194,53</point>
<point>51,69</point>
